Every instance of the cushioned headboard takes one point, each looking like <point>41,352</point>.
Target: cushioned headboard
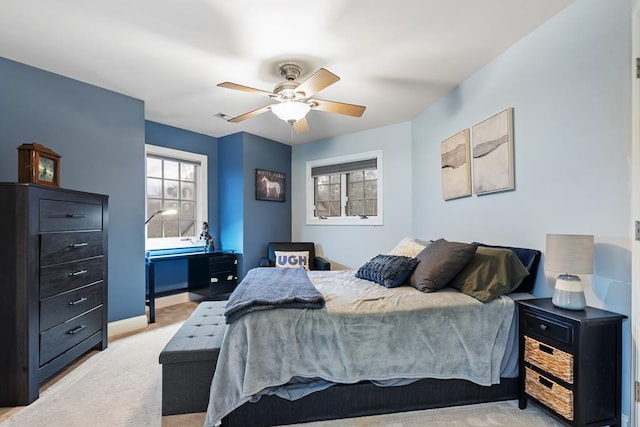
<point>530,258</point>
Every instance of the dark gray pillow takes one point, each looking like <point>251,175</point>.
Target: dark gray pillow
<point>439,263</point>
<point>388,270</point>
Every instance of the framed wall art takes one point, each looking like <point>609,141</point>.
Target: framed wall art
<point>270,185</point>
<point>492,143</point>
<point>455,164</point>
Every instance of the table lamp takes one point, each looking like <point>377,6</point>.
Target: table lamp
<point>569,254</point>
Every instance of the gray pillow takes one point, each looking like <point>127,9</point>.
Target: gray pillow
<point>439,263</point>
<point>491,273</point>
<point>388,270</point>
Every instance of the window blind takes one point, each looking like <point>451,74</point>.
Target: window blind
<point>357,166</point>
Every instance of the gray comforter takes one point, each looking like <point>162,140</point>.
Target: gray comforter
<point>364,332</point>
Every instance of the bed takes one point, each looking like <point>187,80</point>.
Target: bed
<point>373,346</point>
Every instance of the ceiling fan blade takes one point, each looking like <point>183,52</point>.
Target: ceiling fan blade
<point>250,114</point>
<point>242,88</point>
<point>316,82</point>
<point>338,107</point>
<point>301,125</point>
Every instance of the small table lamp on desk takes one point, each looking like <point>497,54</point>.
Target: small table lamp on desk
<point>569,254</point>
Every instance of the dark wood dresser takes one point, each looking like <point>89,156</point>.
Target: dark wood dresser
<point>53,287</point>
<point>571,361</point>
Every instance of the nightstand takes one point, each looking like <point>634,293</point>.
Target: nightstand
<point>570,361</point>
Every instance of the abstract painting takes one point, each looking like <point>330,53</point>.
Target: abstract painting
<point>492,142</point>
<point>455,166</point>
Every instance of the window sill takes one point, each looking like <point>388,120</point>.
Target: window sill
<point>345,221</point>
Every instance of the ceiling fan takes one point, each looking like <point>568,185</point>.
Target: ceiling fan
<point>295,99</point>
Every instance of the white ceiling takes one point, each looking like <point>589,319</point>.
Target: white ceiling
<point>396,57</point>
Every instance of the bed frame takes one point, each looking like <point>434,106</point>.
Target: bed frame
<point>364,398</point>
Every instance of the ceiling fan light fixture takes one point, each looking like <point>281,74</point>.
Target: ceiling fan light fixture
<point>290,111</point>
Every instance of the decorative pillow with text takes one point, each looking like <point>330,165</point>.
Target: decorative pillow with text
<point>292,259</point>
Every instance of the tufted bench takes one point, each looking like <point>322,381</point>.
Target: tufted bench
<point>189,360</point>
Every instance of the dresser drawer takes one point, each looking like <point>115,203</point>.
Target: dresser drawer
<point>59,215</point>
<point>552,394</point>
<point>549,359</point>
<point>545,327</point>
<point>65,277</point>
<point>59,339</point>
<point>56,248</point>
<point>67,305</point>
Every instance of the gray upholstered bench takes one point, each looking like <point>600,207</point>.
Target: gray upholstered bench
<point>189,360</point>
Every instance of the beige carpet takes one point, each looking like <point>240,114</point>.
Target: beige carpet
<point>121,386</point>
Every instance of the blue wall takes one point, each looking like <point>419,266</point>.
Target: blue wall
<point>100,136</point>
<point>174,274</point>
<point>249,223</point>
<point>569,83</point>
<point>230,189</point>
<point>352,246</point>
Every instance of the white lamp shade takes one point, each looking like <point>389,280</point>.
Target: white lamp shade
<point>569,253</point>
<point>290,111</point>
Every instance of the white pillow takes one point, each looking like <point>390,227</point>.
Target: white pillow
<point>409,247</point>
<point>292,259</point>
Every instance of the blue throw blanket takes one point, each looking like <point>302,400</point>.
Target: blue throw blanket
<point>266,288</point>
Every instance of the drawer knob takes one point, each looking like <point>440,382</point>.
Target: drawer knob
<point>78,245</point>
<point>76,329</point>
<point>543,327</point>
<point>71,215</point>
<point>77,273</point>
<point>78,301</point>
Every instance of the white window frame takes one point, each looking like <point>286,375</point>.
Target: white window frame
<point>201,197</point>
<point>343,219</point>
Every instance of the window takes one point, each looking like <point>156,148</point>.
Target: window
<point>174,180</point>
<point>345,190</point>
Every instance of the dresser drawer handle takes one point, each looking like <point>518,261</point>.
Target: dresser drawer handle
<point>546,349</point>
<point>78,301</point>
<point>76,329</point>
<point>545,382</point>
<point>71,215</point>
<point>77,273</point>
<point>78,245</point>
<point>543,327</point>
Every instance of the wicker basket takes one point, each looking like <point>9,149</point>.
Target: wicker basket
<point>550,393</point>
<point>549,359</point>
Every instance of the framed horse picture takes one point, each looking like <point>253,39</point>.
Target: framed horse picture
<point>270,185</point>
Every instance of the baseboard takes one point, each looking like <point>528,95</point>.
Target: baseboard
<point>124,326</point>
<point>176,299</point>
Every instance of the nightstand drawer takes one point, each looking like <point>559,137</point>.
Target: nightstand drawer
<point>549,392</point>
<point>559,331</point>
<point>549,359</point>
